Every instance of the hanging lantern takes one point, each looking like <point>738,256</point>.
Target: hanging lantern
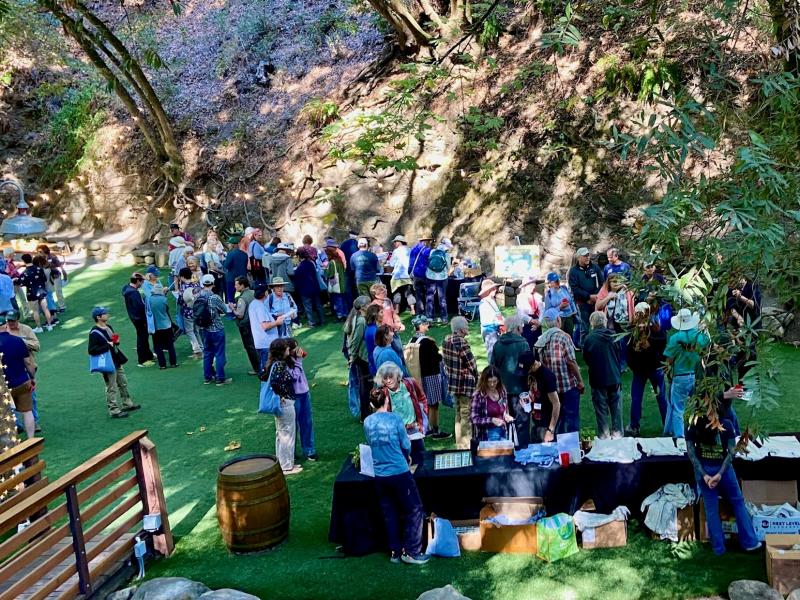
<point>22,225</point>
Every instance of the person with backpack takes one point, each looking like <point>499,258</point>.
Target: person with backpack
<point>424,363</point>
<point>208,310</point>
<point>559,297</point>
<point>242,315</point>
<point>439,263</point>
<point>302,400</point>
<point>418,267</point>
<point>34,280</point>
<point>187,291</point>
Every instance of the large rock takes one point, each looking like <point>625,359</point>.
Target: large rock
<point>227,594</point>
<point>745,589</point>
<point>448,592</point>
<point>170,588</point>
<point>125,594</point>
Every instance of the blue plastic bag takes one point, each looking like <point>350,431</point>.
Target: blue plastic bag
<point>102,363</point>
<point>268,401</point>
<point>444,541</point>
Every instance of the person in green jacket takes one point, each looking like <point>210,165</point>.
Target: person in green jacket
<point>335,278</point>
<point>355,347</point>
<point>512,357</point>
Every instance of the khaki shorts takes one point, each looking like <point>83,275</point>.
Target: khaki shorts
<point>23,397</point>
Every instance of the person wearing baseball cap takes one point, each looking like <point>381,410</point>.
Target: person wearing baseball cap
<point>103,339</point>
<point>585,279</point>
<point>683,354</point>
<point>439,265</point>
<point>137,313</point>
<point>558,296</point>
<point>26,333</point>
<point>20,370</point>
<point>264,327</point>
<point>208,311</point>
<point>365,266</point>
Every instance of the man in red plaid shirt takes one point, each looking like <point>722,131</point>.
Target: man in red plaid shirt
<point>462,375</point>
<point>557,353</point>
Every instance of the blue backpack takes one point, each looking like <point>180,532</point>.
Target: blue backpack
<point>437,262</point>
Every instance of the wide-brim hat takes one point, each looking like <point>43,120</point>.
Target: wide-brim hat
<point>425,238</point>
<point>685,319</point>
<point>487,285</point>
<point>276,281</point>
<point>400,238</point>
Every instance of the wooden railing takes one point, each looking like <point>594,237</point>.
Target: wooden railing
<point>21,472</point>
<point>104,500</point>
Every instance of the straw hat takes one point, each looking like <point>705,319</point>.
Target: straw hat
<point>487,285</point>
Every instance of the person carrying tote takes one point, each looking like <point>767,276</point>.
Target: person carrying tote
<point>102,339</point>
<point>279,376</point>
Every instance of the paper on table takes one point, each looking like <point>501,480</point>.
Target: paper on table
<point>367,466</point>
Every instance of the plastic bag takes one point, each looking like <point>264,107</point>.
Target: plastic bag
<point>268,401</point>
<point>555,538</point>
<point>444,541</point>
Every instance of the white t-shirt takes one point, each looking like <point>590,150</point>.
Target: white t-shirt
<point>258,313</point>
<point>399,262</point>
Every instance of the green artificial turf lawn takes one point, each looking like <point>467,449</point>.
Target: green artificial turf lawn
<point>175,403</point>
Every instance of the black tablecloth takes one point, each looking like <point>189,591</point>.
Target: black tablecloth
<point>357,523</point>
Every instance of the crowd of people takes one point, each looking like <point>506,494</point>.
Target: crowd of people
<point>528,392</point>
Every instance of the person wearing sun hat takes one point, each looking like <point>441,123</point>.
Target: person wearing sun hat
<point>683,355</point>
<point>492,322</point>
<point>424,361</point>
<point>402,284</point>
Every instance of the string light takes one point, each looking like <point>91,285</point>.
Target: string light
<point>8,427</point>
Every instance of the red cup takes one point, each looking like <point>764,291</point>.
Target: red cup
<point>564,458</point>
<point>738,386</point>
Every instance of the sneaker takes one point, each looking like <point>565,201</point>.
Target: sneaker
<point>131,407</point>
<point>394,558</point>
<point>312,457</point>
<point>632,432</point>
<point>415,559</point>
<point>145,364</point>
<point>296,325</point>
<point>48,327</point>
<point>294,470</point>
<point>208,381</point>
<point>119,415</point>
<point>225,381</point>
<point>754,548</point>
<point>441,435</point>
<point>252,373</point>
<point>38,330</point>
<point>173,366</point>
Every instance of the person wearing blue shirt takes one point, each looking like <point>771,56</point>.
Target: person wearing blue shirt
<point>234,265</point>
<point>397,493</point>
<point>560,298</point>
<point>365,267</point>
<point>383,351</point>
<point>616,265</point>
<point>20,370</point>
<point>418,268</point>
<point>6,293</point>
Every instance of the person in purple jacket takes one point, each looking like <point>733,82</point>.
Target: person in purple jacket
<point>306,284</point>
<point>302,399</point>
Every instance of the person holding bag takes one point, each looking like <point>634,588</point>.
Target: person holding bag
<point>104,342</point>
<point>281,383</point>
<point>490,417</point>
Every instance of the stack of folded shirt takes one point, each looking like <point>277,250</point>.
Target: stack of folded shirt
<point>622,450</point>
<point>663,446</point>
<point>785,446</point>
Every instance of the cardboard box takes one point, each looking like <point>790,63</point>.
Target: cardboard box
<point>686,524</point>
<point>509,538</point>
<point>610,535</point>
<point>783,563</point>
<point>493,449</point>
<point>468,540</point>
<point>758,492</point>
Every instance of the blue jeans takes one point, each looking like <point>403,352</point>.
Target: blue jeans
<point>214,355</point>
<point>570,418</point>
<point>313,307</point>
<point>681,390</point>
<point>338,305</point>
<point>305,424</point>
<point>401,506</point>
<point>656,379</point>
<point>728,488</point>
<point>420,291</point>
<point>263,355</point>
<point>354,390</point>
<point>433,287</point>
<point>495,434</point>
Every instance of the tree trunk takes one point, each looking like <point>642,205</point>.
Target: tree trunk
<point>408,30</point>
<point>786,27</point>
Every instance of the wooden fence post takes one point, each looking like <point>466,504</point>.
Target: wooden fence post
<point>155,502</point>
<point>78,543</point>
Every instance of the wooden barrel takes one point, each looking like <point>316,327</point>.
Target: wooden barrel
<point>252,503</point>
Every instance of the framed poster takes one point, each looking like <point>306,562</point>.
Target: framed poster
<point>517,262</point>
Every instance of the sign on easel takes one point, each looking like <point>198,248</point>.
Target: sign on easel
<point>517,262</point>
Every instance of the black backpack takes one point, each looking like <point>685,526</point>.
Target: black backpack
<point>202,311</point>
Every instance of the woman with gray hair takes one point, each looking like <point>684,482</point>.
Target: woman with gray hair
<point>601,354</point>
<point>405,398</point>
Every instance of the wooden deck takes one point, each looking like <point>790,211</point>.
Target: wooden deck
<point>72,582</point>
